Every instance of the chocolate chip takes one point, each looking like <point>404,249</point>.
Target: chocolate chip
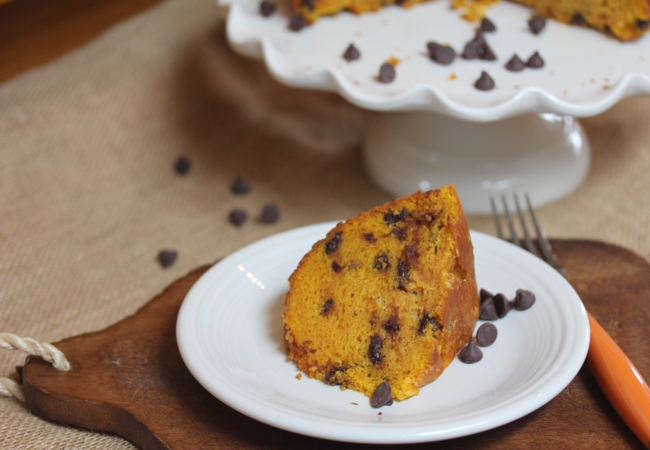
<point>486,334</point>
<point>578,19</point>
<point>327,307</point>
<point>524,299</point>
<point>392,217</point>
<point>183,165</point>
<point>238,217</point>
<point>515,64</point>
<point>270,213</point>
<point>488,54</point>
<point>426,320</point>
<point>470,354</point>
<point>402,273</point>
<point>309,4</point>
<point>373,350</point>
<point>473,49</point>
<point>297,22</point>
<point>536,24</point>
<point>485,294</point>
<point>488,311</point>
<point>386,73</point>
<point>391,325</point>
<point>399,233</point>
<point>442,54</point>
<point>381,262</point>
<point>351,53</point>
<point>502,305</point>
<point>485,82</point>
<point>369,237</point>
<point>487,25</point>
<point>642,24</point>
<point>336,267</point>
<point>535,61</point>
<point>267,8</point>
<point>332,376</point>
<point>167,258</point>
<point>333,244</point>
<point>240,186</point>
<point>382,396</point>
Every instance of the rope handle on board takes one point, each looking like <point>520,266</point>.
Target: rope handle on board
<point>51,354</point>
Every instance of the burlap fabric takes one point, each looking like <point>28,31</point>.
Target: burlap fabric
<point>88,195</point>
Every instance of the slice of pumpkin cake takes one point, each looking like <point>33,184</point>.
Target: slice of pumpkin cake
<point>388,296</point>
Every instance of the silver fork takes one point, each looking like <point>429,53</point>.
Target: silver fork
<point>543,248</point>
<point>617,376</point>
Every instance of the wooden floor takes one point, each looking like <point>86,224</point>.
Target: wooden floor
<point>35,32</point>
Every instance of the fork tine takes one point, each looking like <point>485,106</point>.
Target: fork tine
<point>513,234</point>
<point>529,243</point>
<point>497,222</point>
<point>542,241</point>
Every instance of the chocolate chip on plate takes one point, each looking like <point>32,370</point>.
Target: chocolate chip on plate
<point>270,213</point>
<point>240,186</point>
<point>488,54</point>
<point>535,61</point>
<point>485,82</point>
<point>524,299</point>
<point>502,305</point>
<point>167,258</point>
<point>470,354</point>
<point>515,64</point>
<point>485,294</point>
<point>297,22</point>
<point>487,25</point>
<point>488,310</point>
<point>536,24</point>
<point>267,8</point>
<point>238,217</point>
<point>473,49</point>
<point>382,396</point>
<point>351,53</point>
<point>442,54</point>
<point>386,73</point>
<point>486,334</point>
<point>182,165</point>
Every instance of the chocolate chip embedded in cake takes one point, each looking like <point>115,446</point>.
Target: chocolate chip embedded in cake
<point>485,82</point>
<point>351,53</point>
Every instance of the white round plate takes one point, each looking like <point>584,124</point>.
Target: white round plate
<point>230,335</point>
<point>586,72</point>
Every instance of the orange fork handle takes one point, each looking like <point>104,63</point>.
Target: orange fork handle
<point>620,380</point>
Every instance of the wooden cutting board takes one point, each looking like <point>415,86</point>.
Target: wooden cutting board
<point>129,379</point>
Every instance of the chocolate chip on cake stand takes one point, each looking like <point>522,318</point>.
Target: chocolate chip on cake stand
<point>537,24</point>
<point>351,53</point>
<point>535,61</point>
<point>485,82</point>
<point>267,8</point>
<point>386,73</point>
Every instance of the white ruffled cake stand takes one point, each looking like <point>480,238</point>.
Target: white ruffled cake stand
<point>436,127</point>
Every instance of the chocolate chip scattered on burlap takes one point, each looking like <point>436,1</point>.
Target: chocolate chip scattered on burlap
<point>524,299</point>
<point>183,165</point>
<point>382,396</point>
<point>485,82</point>
<point>486,335</point>
<point>351,53</point>
<point>238,217</point>
<point>487,25</point>
<point>470,354</point>
<point>488,310</point>
<point>297,22</point>
<point>515,64</point>
<point>442,54</point>
<point>535,61</point>
<point>267,8</point>
<point>536,24</point>
<point>270,213</point>
<point>386,73</point>
<point>502,305</point>
<point>167,258</point>
<point>240,186</point>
